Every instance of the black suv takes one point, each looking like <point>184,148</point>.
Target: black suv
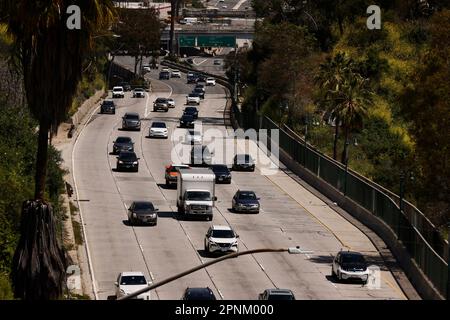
<point>200,92</point>
<point>108,106</point>
<point>164,75</point>
<point>198,294</point>
<point>191,78</point>
<point>187,121</point>
<point>123,144</point>
<point>142,212</point>
<point>125,85</point>
<point>223,175</point>
<point>161,104</point>
<point>200,155</point>
<point>193,111</point>
<point>131,121</point>
<point>127,160</point>
<point>243,162</point>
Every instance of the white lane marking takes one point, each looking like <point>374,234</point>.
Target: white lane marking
<point>89,259</point>
<point>146,105</point>
<point>197,64</point>
<point>151,276</point>
<point>220,293</point>
<point>238,4</point>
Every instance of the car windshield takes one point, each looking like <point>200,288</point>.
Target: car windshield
<point>117,89</point>
<point>199,294</point>
<point>187,117</point>
<point>353,259</point>
<point>210,79</point>
<point>222,234</point>
<point>158,125</point>
<point>244,158</point>
<point>123,140</point>
<point>281,297</point>
<point>190,110</point>
<point>220,168</point>
<point>193,95</point>
<point>132,280</point>
<point>131,117</point>
<point>143,206</point>
<point>108,102</point>
<point>127,156</point>
<point>198,195</point>
<point>160,100</point>
<point>138,90</point>
<point>247,196</point>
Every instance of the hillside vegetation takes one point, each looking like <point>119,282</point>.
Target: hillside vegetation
<point>316,64</point>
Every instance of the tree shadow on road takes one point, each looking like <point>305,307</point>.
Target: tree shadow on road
<point>166,187</point>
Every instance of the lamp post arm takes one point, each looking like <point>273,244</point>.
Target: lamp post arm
<point>182,274</point>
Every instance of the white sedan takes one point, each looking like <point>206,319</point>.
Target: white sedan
<point>158,130</point>
<point>138,93</point>
<point>171,102</point>
<point>176,74</point>
<point>210,82</point>
<point>130,282</point>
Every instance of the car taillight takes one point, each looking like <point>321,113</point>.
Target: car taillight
<point>173,174</point>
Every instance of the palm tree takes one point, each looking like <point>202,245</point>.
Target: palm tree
<point>352,102</point>
<point>50,57</point>
<point>330,80</point>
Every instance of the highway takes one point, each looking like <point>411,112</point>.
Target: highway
<point>290,215</point>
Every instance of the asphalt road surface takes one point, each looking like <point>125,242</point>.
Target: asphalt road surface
<point>289,216</point>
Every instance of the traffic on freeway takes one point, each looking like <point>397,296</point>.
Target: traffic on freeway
<point>195,218</point>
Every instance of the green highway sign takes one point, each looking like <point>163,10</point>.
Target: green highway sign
<point>187,41</point>
<point>216,41</point>
<point>207,41</point>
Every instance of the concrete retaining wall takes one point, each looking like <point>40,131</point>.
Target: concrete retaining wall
<point>86,107</point>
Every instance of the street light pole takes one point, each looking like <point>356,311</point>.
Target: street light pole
<point>402,190</point>
<point>291,250</point>
<point>448,261</point>
<point>347,144</point>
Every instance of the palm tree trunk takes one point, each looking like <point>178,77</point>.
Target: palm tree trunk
<point>172,26</point>
<point>136,61</point>
<point>41,161</point>
<point>344,156</point>
<point>336,138</point>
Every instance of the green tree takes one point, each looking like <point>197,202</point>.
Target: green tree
<point>50,57</point>
<point>345,94</point>
<point>330,80</point>
<point>426,103</point>
<point>140,32</point>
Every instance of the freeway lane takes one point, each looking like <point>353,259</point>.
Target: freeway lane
<point>175,245</point>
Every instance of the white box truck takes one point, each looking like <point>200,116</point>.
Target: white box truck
<point>196,192</point>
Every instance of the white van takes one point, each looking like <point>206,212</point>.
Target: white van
<point>189,21</point>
